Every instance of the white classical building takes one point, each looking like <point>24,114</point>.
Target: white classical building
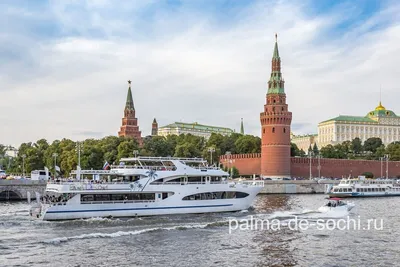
<point>178,128</point>
<point>304,141</point>
<point>380,122</point>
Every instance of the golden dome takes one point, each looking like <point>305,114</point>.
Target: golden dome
<point>380,107</point>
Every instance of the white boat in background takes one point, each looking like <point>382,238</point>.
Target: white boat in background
<point>336,204</point>
<point>362,187</point>
<point>146,186</point>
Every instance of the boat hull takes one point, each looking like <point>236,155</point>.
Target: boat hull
<point>364,194</point>
<point>82,211</point>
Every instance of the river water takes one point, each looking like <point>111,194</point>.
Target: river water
<point>289,233</point>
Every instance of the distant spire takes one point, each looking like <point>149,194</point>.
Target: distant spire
<point>276,51</point>
<point>241,127</point>
<point>154,121</point>
<point>129,99</point>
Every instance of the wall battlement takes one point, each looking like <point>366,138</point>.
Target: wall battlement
<point>249,164</point>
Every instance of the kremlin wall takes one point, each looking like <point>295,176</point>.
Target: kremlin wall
<point>249,164</point>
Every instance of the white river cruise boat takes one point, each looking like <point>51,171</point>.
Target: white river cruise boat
<point>145,186</point>
<point>361,187</point>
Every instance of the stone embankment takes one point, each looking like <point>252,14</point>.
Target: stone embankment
<point>296,186</point>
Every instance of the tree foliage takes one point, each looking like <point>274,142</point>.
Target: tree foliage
<point>94,152</point>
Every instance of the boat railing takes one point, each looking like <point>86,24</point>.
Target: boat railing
<point>162,159</point>
<point>156,168</point>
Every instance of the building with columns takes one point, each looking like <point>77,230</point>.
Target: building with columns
<point>130,127</point>
<point>304,141</point>
<point>194,128</point>
<point>380,122</point>
<point>275,125</point>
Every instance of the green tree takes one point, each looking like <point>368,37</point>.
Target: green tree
<point>328,151</point>
<point>235,171</point>
<point>3,158</point>
<point>356,145</point>
<point>157,146</point>
<point>372,144</point>
<point>380,152</point>
<point>229,143</point>
<point>187,150</point>
<point>109,147</point>
<point>315,149</point>
<point>126,148</point>
<point>294,150</point>
<point>393,149</point>
<point>247,144</point>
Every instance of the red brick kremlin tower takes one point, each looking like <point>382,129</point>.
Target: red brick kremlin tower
<point>130,126</point>
<point>275,125</point>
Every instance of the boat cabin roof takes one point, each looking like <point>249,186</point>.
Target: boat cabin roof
<point>335,199</point>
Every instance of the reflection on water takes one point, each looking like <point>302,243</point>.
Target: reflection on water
<point>203,239</point>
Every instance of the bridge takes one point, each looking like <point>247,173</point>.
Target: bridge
<point>18,189</point>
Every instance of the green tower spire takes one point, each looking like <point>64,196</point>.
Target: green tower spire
<point>276,50</point>
<point>129,99</point>
<point>241,127</point>
<point>276,82</point>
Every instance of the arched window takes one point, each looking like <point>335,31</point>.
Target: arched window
<point>274,100</point>
<point>284,130</point>
<point>273,129</point>
<point>273,109</point>
<point>283,109</point>
<point>264,131</point>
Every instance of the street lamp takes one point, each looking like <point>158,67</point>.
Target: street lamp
<point>211,150</point>
<point>310,154</point>
<point>319,166</point>
<point>135,152</point>
<point>79,149</point>
<point>387,165</point>
<point>55,164</point>
<point>23,165</point>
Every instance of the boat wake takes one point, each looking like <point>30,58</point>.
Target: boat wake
<point>59,240</point>
<point>309,214</point>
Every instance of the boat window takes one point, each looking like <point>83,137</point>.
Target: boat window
<point>216,195</point>
<point>116,197</point>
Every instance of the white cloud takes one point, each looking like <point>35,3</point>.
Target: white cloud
<point>185,65</point>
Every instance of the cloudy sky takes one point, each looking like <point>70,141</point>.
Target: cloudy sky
<point>64,65</point>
